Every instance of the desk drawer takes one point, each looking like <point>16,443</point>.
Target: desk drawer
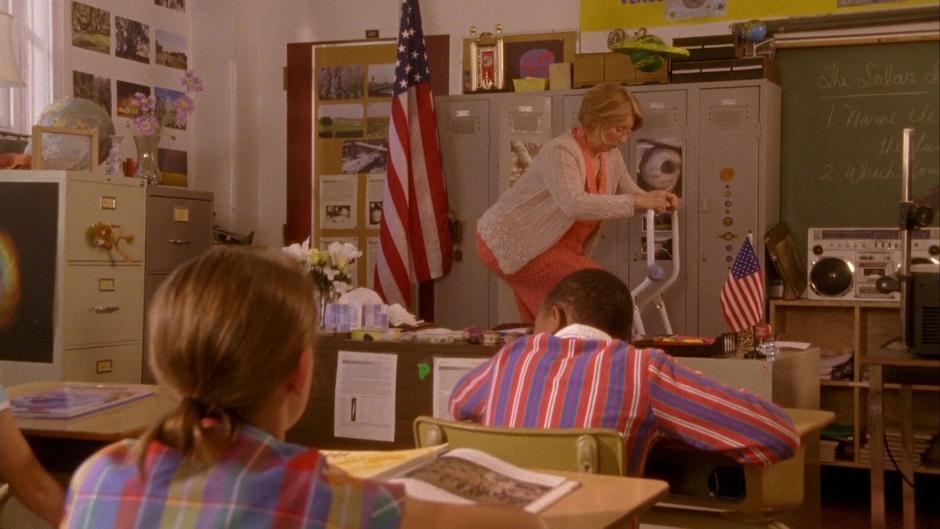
<point>121,206</point>
<point>178,229</point>
<point>103,304</point>
<point>113,363</point>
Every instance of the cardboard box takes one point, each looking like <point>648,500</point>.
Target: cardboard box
<point>559,76</point>
<point>619,68</point>
<point>588,69</point>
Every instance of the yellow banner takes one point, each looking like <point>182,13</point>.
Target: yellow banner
<point>604,15</point>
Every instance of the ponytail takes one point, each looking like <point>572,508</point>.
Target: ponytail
<point>195,429</point>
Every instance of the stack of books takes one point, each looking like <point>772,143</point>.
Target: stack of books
<point>835,366</point>
<point>921,440</point>
<point>835,441</point>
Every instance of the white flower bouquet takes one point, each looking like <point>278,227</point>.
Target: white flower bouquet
<point>331,268</point>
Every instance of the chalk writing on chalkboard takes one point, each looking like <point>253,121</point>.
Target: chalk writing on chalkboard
<point>843,112</point>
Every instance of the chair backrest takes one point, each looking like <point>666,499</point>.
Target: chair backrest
<point>594,450</point>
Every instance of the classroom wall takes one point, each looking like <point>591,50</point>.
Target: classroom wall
<point>239,47</point>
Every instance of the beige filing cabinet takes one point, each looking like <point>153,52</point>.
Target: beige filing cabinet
<point>179,227</point>
<point>70,309</point>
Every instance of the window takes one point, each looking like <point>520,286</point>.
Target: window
<point>34,38</point>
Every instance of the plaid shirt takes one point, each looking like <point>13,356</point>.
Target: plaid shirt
<point>260,482</point>
<point>545,381</point>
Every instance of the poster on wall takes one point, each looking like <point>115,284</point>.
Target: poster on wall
<point>91,28</point>
<point>338,195</point>
<point>381,80</point>
<point>166,106</point>
<point>371,254</point>
<point>377,116</point>
<point>340,82</point>
<point>660,165</point>
<point>177,5</point>
<point>365,156</point>
<point>364,402</point>
<point>375,192</point>
<point>171,50</point>
<point>125,97</point>
<point>28,241</point>
<point>174,167</point>
<point>132,40</point>
<point>340,121</point>
<point>93,87</point>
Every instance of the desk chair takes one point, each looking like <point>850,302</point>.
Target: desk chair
<point>593,450</point>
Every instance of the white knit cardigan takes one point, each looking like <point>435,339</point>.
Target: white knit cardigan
<point>534,214</point>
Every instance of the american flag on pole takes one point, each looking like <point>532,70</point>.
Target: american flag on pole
<point>742,298</point>
<point>414,238</point>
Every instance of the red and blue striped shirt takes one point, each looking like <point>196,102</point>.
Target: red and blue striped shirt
<point>258,482</point>
<point>545,381</point>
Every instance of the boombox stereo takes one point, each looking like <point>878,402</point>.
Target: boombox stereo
<point>845,263</point>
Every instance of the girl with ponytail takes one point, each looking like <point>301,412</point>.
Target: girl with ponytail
<point>231,338</point>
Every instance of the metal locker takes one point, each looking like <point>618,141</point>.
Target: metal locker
<point>462,296</point>
<point>523,124</point>
<point>655,154</point>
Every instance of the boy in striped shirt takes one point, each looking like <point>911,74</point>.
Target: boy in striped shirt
<point>578,370</point>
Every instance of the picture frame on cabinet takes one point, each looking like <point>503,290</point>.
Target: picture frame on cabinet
<point>65,149</point>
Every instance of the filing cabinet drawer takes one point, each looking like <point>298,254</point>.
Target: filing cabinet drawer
<point>103,304</point>
<point>121,206</point>
<point>178,229</point>
<point>114,363</point>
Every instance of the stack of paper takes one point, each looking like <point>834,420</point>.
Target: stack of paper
<point>831,360</point>
<point>921,440</point>
<point>828,450</point>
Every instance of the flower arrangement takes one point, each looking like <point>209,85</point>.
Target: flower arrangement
<point>154,116</point>
<point>329,268</point>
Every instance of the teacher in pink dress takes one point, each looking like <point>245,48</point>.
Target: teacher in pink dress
<point>544,227</point>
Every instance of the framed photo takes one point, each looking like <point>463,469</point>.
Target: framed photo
<point>64,148</point>
<point>486,60</point>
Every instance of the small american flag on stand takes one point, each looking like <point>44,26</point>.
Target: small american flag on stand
<point>414,237</point>
<point>742,298</point>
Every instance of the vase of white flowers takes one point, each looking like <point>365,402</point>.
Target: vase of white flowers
<point>330,269</point>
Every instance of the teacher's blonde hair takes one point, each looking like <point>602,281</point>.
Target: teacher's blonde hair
<point>607,104</point>
<point>225,330</point>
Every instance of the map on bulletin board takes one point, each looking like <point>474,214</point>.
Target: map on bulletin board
<point>604,15</point>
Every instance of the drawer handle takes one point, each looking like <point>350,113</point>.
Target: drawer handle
<point>105,309</point>
<point>179,242</point>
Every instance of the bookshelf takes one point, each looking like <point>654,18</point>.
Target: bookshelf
<point>861,328</point>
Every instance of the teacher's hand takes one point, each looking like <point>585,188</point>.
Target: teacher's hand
<point>657,200</point>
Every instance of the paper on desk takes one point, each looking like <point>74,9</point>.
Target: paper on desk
<point>447,372</point>
<point>792,345</point>
<point>364,400</point>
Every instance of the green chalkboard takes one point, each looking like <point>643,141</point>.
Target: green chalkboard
<point>844,109</point>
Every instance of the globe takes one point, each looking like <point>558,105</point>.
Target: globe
<point>74,113</point>
<point>753,31</point>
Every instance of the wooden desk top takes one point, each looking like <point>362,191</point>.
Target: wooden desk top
<point>897,358</point>
<point>111,424</point>
<point>810,421</point>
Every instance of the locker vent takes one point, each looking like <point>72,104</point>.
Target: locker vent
<point>930,323</point>
<point>525,121</point>
<point>728,116</point>
<point>463,126</point>
<point>660,119</point>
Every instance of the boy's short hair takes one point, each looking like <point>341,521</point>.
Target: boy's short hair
<point>594,297</point>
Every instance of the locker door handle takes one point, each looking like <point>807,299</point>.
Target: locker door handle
<point>105,309</point>
<point>179,242</point>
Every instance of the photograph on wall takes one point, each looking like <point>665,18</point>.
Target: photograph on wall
<point>171,50</point>
<point>381,80</point>
<point>132,40</point>
<point>125,95</point>
<point>28,239</point>
<point>375,193</point>
<point>176,5</point>
<point>340,121</point>
<point>91,28</point>
<point>532,58</point>
<point>340,82</point>
<point>684,9</point>
<point>338,195</point>
<point>365,156</point>
<point>166,106</point>
<point>93,87</point>
<point>660,165</point>
<point>521,154</point>
<point>377,116</point>
<point>354,269</point>
<point>371,253</point>
<point>174,167</point>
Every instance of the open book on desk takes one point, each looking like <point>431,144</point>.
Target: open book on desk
<point>467,476</point>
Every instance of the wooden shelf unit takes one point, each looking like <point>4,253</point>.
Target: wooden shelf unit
<point>861,328</point>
